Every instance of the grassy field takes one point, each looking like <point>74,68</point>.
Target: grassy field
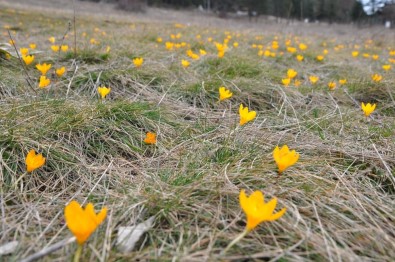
<point>339,195</point>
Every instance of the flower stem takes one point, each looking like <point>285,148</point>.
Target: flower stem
<point>237,239</point>
<point>77,253</point>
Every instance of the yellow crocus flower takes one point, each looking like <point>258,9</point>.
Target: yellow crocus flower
<point>302,46</point>
<point>185,63</point>
<point>386,67</point>
<point>377,78</point>
<point>64,48</point>
<point>257,211</point>
<point>44,82</point>
<point>24,51</point>
<point>83,222</point>
<point>368,108</point>
<point>286,81</point>
<point>291,49</point>
<point>34,161</point>
<point>60,71</point>
<point>313,79</point>
<point>28,59</point>
<point>343,81</point>
<point>284,158</point>
<point>245,115</point>
<point>43,68</point>
<point>291,73</point>
<point>55,48</point>
<point>332,85</point>
<point>224,93</point>
<point>300,58</point>
<point>150,138</point>
<point>138,61</point>
<point>103,91</point>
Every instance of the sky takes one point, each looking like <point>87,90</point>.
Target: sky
<point>372,6</point>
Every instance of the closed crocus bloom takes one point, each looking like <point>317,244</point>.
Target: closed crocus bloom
<point>24,51</point>
<point>291,49</point>
<point>291,73</point>
<point>169,45</point>
<point>138,61</point>
<point>286,81</point>
<point>55,48</point>
<point>150,138</point>
<point>386,67</point>
<point>245,115</point>
<point>224,93</point>
<point>34,161</point>
<point>257,211</point>
<point>103,91</point>
<point>64,48</point>
<point>195,56</point>
<point>43,68</point>
<point>44,82</point>
<point>184,63</point>
<point>299,58</point>
<point>83,222</point>
<point>190,53</point>
<point>302,46</point>
<point>284,158</point>
<point>60,71</point>
<point>28,59</point>
<point>343,81</point>
<point>377,78</point>
<point>93,41</point>
<point>202,52</point>
<point>332,85</point>
<point>220,47</point>
<point>368,108</point>
<point>313,79</point>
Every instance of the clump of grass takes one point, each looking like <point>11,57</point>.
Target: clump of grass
<point>88,56</point>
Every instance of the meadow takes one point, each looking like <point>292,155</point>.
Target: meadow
<point>306,83</point>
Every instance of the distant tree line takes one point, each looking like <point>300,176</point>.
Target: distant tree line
<point>313,10</point>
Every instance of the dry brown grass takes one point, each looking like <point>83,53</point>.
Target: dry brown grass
<point>339,196</point>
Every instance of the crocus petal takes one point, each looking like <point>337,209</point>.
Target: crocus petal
<point>269,208</point>
<point>277,215</point>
